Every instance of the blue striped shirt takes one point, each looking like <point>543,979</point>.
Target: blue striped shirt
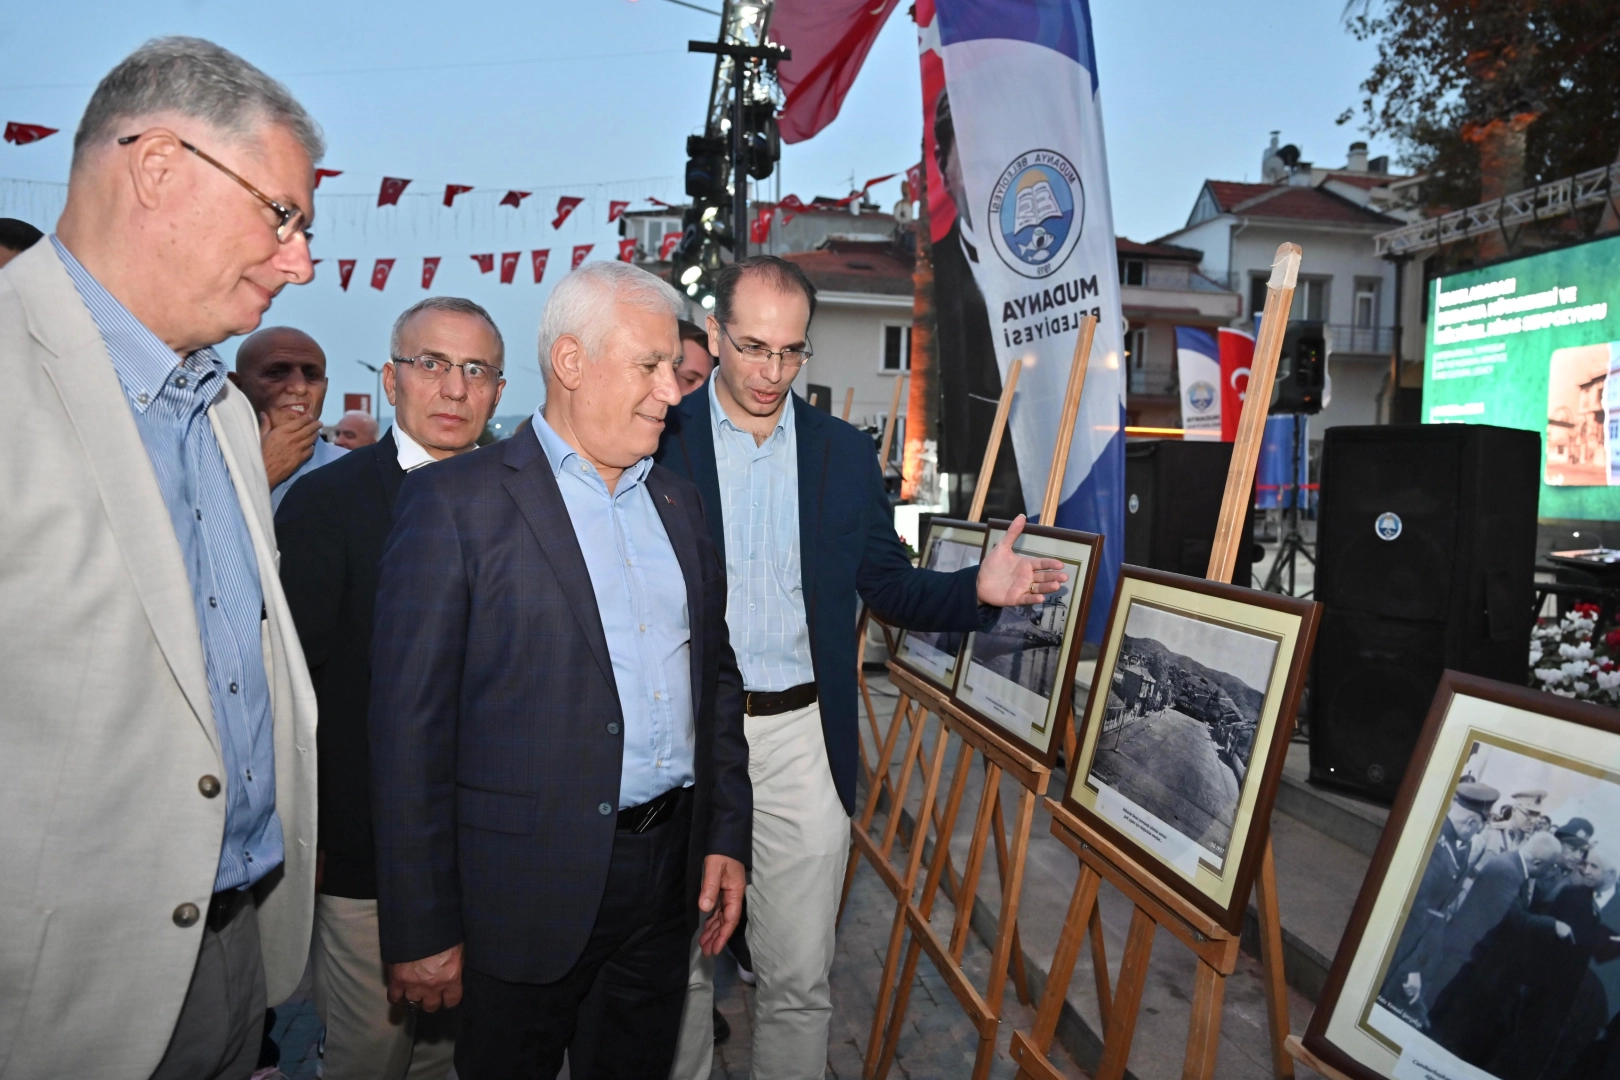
<point>169,398</point>
<point>641,598</point>
<point>759,505</point>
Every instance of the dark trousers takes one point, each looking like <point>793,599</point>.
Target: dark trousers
<point>217,1035</point>
<point>617,1013</point>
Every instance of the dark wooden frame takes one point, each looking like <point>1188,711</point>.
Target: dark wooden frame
<point>927,677</point>
<point>1452,684</point>
<point>1063,705</point>
<point>1308,611</point>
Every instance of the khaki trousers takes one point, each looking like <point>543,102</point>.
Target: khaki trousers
<point>801,841</point>
<point>366,1037</point>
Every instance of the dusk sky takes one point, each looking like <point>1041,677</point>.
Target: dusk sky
<point>596,99</point>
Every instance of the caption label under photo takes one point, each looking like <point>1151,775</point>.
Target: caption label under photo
<point>1147,829</point>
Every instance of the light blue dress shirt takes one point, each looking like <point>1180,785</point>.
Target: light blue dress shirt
<point>169,398</point>
<point>323,454</point>
<point>759,503</point>
<point>641,597</point>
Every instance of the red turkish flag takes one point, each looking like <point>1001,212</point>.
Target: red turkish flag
<point>345,272</point>
<point>21,134</point>
<point>830,40</point>
<point>759,230</point>
<point>379,273</point>
<point>486,263</point>
<point>580,251</point>
<point>565,206</point>
<point>661,202</point>
<point>509,261</point>
<point>322,174</point>
<point>430,266</point>
<point>627,249</point>
<point>914,181</point>
<point>452,190</point>
<point>667,247</point>
<point>1237,354</point>
<point>876,180</point>
<point>392,189</point>
<point>540,258</point>
<point>789,206</point>
<point>615,208</point>
<point>514,198</point>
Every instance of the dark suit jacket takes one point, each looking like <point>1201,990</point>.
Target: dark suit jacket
<point>495,719</point>
<point>331,528</point>
<point>847,547</point>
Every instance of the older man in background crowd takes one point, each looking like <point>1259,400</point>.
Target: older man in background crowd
<point>283,373</point>
<point>157,819</point>
<point>697,362</point>
<point>16,237</point>
<point>444,381</point>
<point>354,430</point>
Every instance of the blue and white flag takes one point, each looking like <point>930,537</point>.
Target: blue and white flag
<point>1037,226</point>
<point>1198,368</point>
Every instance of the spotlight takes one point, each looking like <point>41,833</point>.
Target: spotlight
<point>691,275</point>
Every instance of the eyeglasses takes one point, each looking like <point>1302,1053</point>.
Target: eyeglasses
<point>437,368</point>
<point>792,357</point>
<point>293,219</point>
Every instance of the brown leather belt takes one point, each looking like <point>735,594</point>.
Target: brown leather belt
<point>772,702</point>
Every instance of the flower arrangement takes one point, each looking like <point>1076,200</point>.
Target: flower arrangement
<point>1569,658</point>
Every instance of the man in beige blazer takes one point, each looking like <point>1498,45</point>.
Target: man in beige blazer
<point>157,726</point>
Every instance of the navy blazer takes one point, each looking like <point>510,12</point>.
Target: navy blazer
<point>848,547</point>
<point>495,720</point>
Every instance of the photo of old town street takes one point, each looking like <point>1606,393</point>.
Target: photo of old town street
<point>1184,700</point>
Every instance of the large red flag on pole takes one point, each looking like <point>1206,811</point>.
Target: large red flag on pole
<point>830,40</point>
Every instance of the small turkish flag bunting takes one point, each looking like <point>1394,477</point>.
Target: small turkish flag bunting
<point>486,263</point>
<point>565,206</point>
<point>315,262</point>
<point>27,133</point>
<point>540,258</point>
<point>452,190</point>
<point>580,251</point>
<point>627,249</point>
<point>615,208</point>
<point>322,174</point>
<point>759,230</point>
<point>914,179</point>
<point>430,266</point>
<point>666,247</point>
<point>392,189</point>
<point>514,198</point>
<point>509,261</point>
<point>878,180</point>
<point>345,272</point>
<point>379,273</point>
<point>661,202</point>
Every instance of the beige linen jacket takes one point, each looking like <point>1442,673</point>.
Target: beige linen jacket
<point>105,723</point>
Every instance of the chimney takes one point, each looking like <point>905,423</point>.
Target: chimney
<point>1271,169</point>
<point>1358,157</point>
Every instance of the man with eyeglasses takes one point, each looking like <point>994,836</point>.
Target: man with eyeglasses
<point>283,373</point>
<point>795,500</point>
<point>444,381</point>
<point>157,817</point>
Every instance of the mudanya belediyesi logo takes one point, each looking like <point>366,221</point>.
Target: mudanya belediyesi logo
<point>1037,208</point>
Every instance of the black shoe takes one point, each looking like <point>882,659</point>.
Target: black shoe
<point>722,1030</point>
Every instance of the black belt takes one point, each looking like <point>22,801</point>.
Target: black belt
<point>225,906</point>
<point>653,812</point>
<point>771,702</point>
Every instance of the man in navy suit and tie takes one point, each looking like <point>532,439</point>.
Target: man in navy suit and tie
<point>796,505</point>
<point>559,772</point>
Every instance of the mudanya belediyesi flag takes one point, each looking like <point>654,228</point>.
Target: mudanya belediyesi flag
<point>1018,195</point>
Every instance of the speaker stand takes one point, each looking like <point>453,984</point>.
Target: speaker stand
<point>1293,546</point>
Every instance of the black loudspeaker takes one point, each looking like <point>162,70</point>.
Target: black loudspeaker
<point>1173,492</point>
<point>1426,550</point>
<point>1301,369</point>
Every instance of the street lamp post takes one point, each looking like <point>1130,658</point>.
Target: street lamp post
<point>376,402</point>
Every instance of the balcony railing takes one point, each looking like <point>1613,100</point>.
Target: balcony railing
<point>1152,381</point>
<point>1375,340</point>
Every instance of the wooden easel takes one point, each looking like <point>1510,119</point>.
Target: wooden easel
<point>1296,1050</point>
<point>1155,904</point>
<point>909,711</point>
<point>1000,755</point>
<point>878,777</point>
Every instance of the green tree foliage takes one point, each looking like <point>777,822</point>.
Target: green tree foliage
<point>1456,80</point>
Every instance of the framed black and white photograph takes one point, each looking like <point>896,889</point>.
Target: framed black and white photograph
<point>932,655</point>
<point>1018,674</point>
<point>1183,737</point>
<point>1485,944</point>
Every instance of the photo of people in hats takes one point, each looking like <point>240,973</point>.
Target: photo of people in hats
<point>1505,960</point>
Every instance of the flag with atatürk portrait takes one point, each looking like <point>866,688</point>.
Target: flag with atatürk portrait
<point>1023,235</point>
